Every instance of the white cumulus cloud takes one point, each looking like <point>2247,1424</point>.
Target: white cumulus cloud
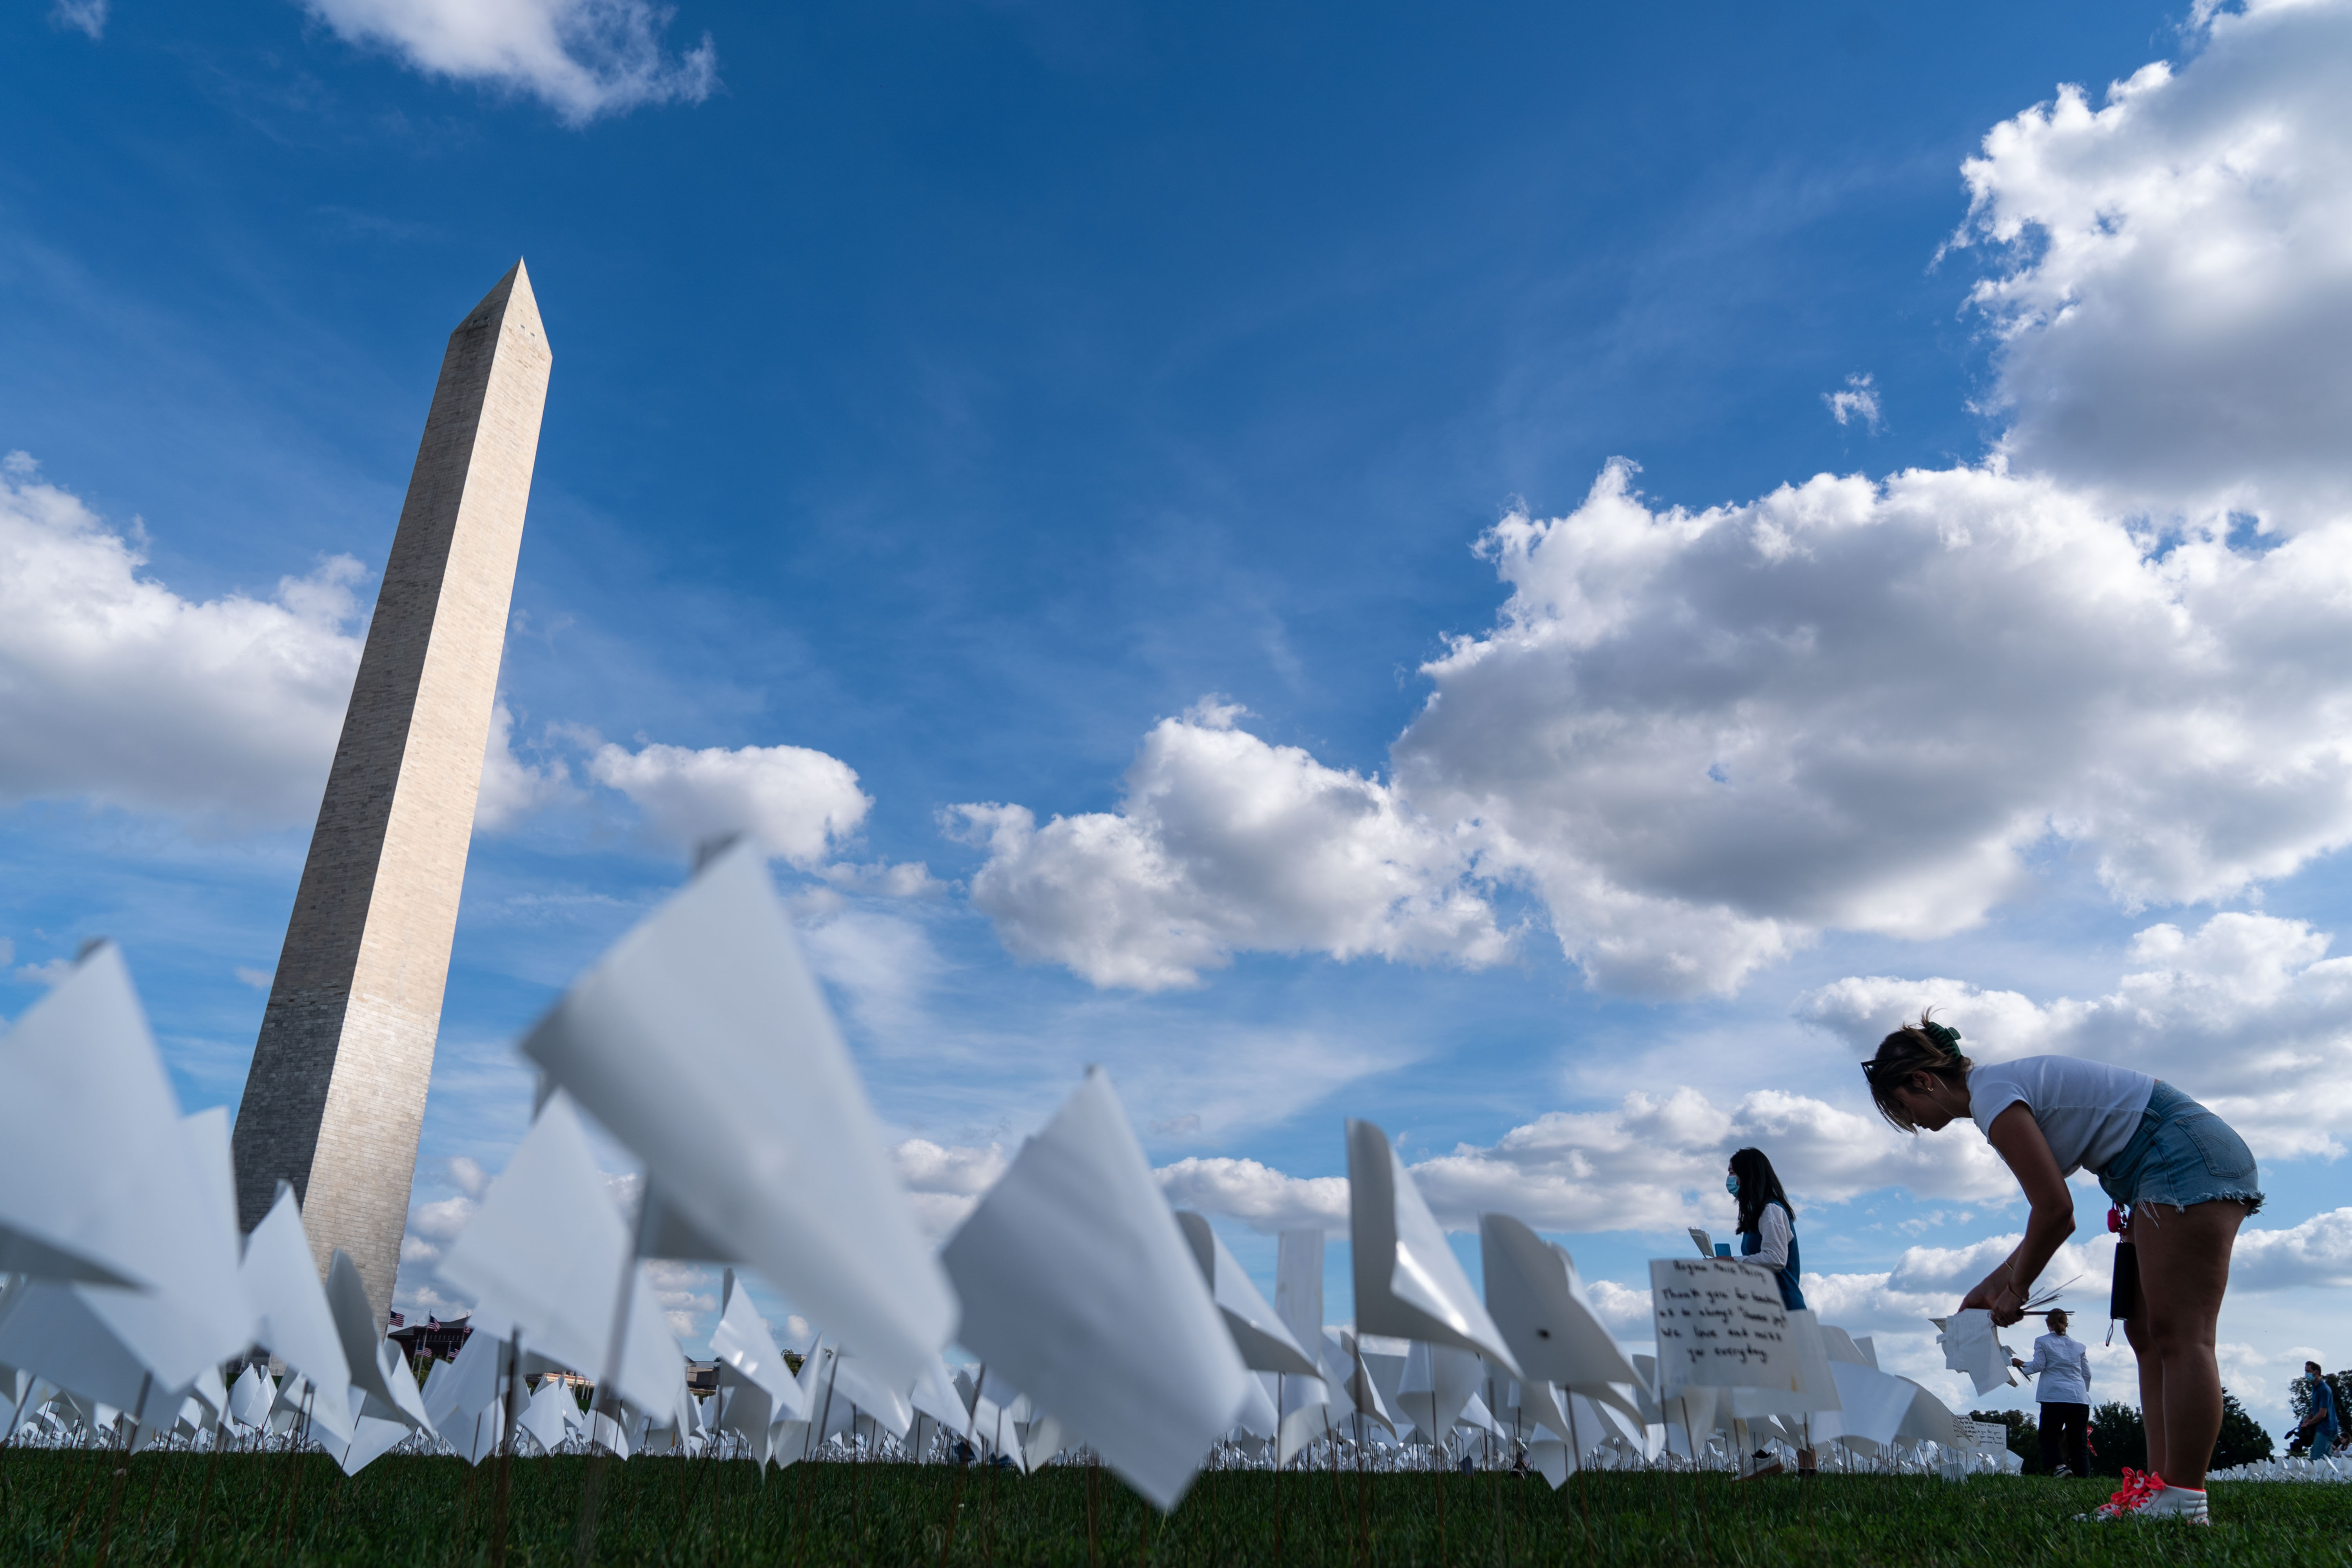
<point>114,688</point>
<point>1704,738</point>
<point>582,58</point>
<point>796,803</point>
<point>1224,843</point>
<point>1257,1195</point>
<point>944,1184</point>
<point>2246,1013</point>
<point>1707,736</point>
<point>2316,1252</point>
<point>512,788</point>
<point>2177,313</point>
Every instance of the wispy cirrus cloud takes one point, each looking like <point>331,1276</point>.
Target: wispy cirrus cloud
<point>85,16</point>
<point>583,58</point>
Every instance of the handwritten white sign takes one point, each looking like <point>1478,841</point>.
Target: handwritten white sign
<point>1984,1436</point>
<point>1720,1324</point>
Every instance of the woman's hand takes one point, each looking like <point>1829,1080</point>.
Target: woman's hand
<point>1996,1294</point>
<point>2007,1306</point>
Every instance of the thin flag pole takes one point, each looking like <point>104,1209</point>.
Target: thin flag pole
<point>505,1452</point>
<point>607,1394</point>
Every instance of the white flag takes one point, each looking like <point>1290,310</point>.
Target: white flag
<point>743,1345</point>
<point>293,1321</point>
<point>1538,1303</point>
<point>379,1373</point>
<point>1079,1288</point>
<point>549,1250</point>
<point>1409,1284</point>
<point>702,1042</point>
<point>101,1182</point>
<point>1440,1383</point>
<point>1259,1334</point>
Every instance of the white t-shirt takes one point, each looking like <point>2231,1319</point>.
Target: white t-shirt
<point>2088,1111</point>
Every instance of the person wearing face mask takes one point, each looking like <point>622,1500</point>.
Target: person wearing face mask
<point>1768,1225</point>
<point>2187,1180</point>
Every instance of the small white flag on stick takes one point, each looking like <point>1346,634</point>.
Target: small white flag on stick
<point>1538,1302</point>
<point>1079,1289</point>
<point>296,1324</point>
<point>379,1373</point>
<point>1409,1284</point>
<point>549,1250</point>
<point>1259,1334</point>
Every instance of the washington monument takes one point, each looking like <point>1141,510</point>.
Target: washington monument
<point>335,1098</point>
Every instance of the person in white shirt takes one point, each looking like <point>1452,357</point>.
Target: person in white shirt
<point>2064,1365</point>
<point>2187,1179</point>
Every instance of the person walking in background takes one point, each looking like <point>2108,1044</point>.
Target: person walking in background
<point>1768,1225</point>
<point>2189,1181</point>
<point>2324,1423</point>
<point>2064,1365</point>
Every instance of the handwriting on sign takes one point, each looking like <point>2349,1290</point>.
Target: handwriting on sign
<point>1720,1324</point>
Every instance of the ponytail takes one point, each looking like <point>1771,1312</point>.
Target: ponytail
<point>1925,1047</point>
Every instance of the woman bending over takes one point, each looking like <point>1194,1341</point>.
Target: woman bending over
<point>2186,1179</point>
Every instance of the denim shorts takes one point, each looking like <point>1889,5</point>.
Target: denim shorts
<point>2183,1155</point>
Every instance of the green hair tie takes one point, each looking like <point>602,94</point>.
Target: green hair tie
<point>1943,1035</point>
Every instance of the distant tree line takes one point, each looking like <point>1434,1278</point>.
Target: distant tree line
<point>2119,1438</point>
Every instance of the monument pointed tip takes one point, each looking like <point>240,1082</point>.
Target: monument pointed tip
<point>510,296</point>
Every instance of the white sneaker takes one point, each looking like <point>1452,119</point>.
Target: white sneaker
<point>2186,1504</point>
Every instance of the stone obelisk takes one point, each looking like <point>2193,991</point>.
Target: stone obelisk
<point>335,1098</point>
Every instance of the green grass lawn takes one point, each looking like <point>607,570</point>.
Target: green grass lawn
<point>178,1507</point>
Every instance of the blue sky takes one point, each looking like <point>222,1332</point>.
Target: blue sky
<point>1095,409</point>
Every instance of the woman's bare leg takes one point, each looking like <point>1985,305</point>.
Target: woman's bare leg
<point>2184,1268</point>
<point>2151,1378</point>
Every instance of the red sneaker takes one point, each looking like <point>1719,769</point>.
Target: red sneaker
<point>2139,1488</point>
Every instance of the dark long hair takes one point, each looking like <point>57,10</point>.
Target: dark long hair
<point>1759,1185</point>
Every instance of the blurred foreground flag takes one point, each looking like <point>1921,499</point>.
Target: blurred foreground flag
<point>701,1042</point>
<point>1080,1289</point>
<point>102,1185</point>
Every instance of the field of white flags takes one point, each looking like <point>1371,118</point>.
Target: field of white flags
<point>1090,1325</point>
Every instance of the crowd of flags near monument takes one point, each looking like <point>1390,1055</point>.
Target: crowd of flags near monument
<point>1100,1324</point>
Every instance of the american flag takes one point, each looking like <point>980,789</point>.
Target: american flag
<point>398,1321</point>
<point>431,1321</point>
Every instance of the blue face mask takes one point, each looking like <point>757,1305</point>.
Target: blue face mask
<point>1731,1185</point>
